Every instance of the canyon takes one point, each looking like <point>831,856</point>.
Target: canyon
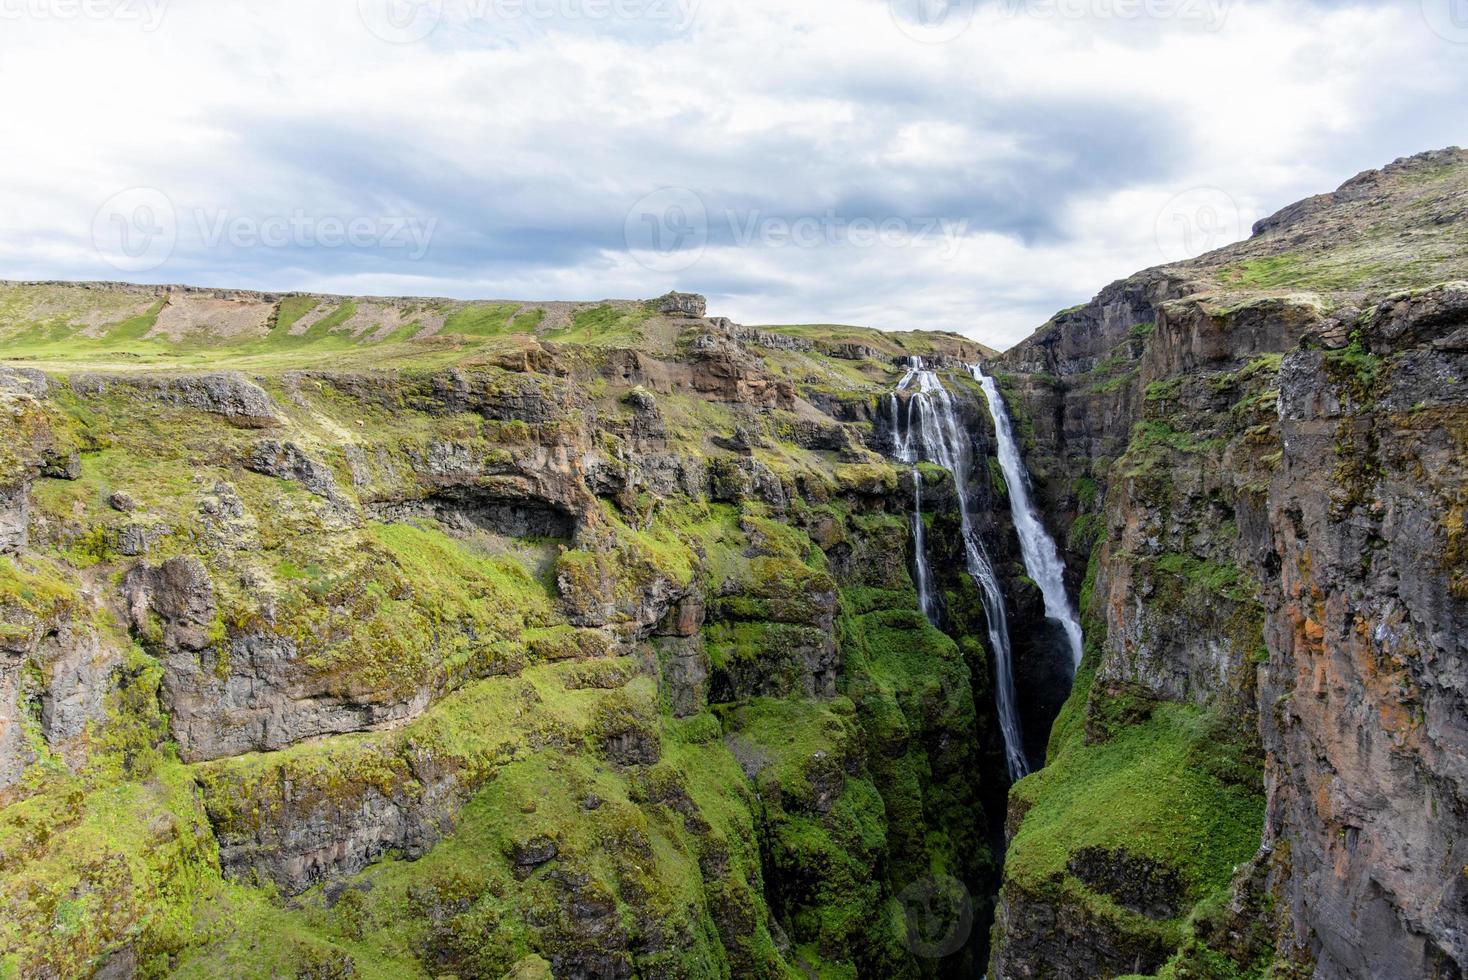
<point>402,637</point>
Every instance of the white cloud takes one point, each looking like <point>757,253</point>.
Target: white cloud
<point>1057,139</point>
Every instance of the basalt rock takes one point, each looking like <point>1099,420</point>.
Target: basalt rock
<point>226,394</point>
<point>685,304</point>
<point>287,461</point>
<point>1267,488</point>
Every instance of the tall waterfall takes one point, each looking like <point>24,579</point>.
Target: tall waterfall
<point>930,430</point>
<point>1042,557</point>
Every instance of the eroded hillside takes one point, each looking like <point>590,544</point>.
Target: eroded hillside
<point>408,638</point>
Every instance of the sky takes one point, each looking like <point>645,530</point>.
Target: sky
<point>967,165</point>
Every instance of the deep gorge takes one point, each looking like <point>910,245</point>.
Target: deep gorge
<point>619,640</point>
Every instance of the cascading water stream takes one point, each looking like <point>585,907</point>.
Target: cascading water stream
<point>905,454</point>
<point>931,431</point>
<point>1042,557</point>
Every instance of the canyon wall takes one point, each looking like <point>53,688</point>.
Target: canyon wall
<point>1261,461</point>
<point>579,642</point>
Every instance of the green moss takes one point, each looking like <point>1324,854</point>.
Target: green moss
<point>409,602</point>
<point>290,310</point>
<point>1270,271</point>
<point>1084,532</point>
<point>1208,578</point>
<point>1355,366</point>
<point>1165,391</point>
<point>1087,492</point>
<point>1143,794</point>
<point>869,478</point>
<point>1152,444</point>
<point>34,589</point>
<point>1115,383</point>
<point>528,322</point>
<point>821,848</point>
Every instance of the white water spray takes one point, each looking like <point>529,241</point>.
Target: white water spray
<point>931,432</point>
<point>1042,557</point>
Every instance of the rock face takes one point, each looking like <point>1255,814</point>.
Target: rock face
<point>1366,635</point>
<point>228,395</point>
<point>529,657</point>
<point>684,304</point>
<point>1264,485</point>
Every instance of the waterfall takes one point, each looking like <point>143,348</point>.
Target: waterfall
<point>904,453</point>
<point>930,431</point>
<point>1042,557</point>
<point>920,545</point>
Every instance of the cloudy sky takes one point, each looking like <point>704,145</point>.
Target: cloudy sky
<point>897,163</point>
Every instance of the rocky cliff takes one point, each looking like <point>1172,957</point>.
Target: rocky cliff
<point>1259,460</point>
<point>412,638</point>
<point>349,637</point>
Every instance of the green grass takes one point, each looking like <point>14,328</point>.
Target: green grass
<point>481,320</point>
<point>410,602</point>
<point>604,326</point>
<point>1270,271</point>
<point>35,589</point>
<point>1161,790</point>
<point>1211,578</point>
<point>1355,365</point>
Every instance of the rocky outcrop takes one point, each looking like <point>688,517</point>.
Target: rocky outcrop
<point>15,517</point>
<point>226,394</point>
<point>684,304</point>
<point>287,461</point>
